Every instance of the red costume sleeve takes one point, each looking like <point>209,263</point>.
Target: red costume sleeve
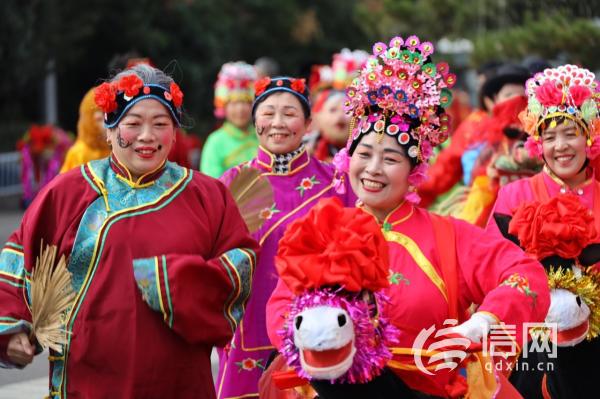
<point>277,308</point>
<point>501,278</point>
<point>201,299</point>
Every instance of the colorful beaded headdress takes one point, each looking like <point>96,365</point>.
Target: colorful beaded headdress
<point>400,92</point>
<point>115,98</point>
<point>565,93</point>
<point>235,82</point>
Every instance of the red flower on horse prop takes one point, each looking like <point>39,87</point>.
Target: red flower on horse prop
<point>335,261</point>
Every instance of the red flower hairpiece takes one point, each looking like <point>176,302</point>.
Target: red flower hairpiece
<point>177,95</point>
<point>298,85</point>
<point>261,85</point>
<point>130,84</point>
<point>105,97</point>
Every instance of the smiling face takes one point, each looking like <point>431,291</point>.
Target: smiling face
<point>280,123</point>
<point>143,138</point>
<point>563,148</point>
<point>379,174</point>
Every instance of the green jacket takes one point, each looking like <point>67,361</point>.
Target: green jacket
<point>227,147</point>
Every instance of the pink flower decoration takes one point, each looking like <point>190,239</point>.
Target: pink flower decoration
<point>426,150</point>
<point>341,161</point>
<point>426,48</point>
<point>548,94</point>
<point>579,94</point>
<point>372,118</point>
<point>593,151</point>
<point>416,177</point>
<point>412,42</point>
<point>533,147</point>
<point>379,48</point>
<point>396,42</point>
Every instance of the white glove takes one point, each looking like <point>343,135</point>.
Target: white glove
<point>476,327</point>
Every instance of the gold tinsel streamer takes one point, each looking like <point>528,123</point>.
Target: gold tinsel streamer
<point>586,286</point>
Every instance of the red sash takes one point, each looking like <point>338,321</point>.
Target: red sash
<point>445,240</point>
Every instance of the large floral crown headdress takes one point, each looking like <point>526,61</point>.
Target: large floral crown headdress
<point>235,82</point>
<point>400,92</point>
<point>568,93</point>
<point>117,97</point>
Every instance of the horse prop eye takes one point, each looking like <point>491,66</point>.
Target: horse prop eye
<point>341,320</point>
<point>298,322</point>
<point>578,300</point>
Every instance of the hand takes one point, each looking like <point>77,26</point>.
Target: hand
<point>19,350</point>
<point>476,327</point>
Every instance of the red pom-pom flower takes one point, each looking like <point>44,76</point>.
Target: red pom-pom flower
<point>130,84</point>
<point>298,85</point>
<point>562,226</point>
<point>261,85</point>
<point>333,246</point>
<point>177,94</point>
<point>105,97</point>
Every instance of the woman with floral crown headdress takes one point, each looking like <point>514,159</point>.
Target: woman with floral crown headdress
<point>438,266</point>
<point>555,217</point>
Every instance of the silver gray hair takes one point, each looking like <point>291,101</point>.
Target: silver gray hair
<point>148,74</point>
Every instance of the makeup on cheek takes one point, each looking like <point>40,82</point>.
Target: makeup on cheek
<point>123,143</point>
<point>260,130</point>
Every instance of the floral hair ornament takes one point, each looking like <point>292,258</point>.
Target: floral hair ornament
<point>266,86</point>
<point>568,93</point>
<point>115,98</point>
<point>401,93</point>
<point>235,82</point>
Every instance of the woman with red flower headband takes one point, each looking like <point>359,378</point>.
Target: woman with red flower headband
<point>160,258</point>
<point>555,217</point>
<point>438,266</point>
<point>281,113</point>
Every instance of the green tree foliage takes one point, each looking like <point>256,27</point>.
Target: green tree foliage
<point>193,38</point>
<point>568,30</point>
<point>189,38</point>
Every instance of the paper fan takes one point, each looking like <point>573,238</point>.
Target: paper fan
<point>253,194</point>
